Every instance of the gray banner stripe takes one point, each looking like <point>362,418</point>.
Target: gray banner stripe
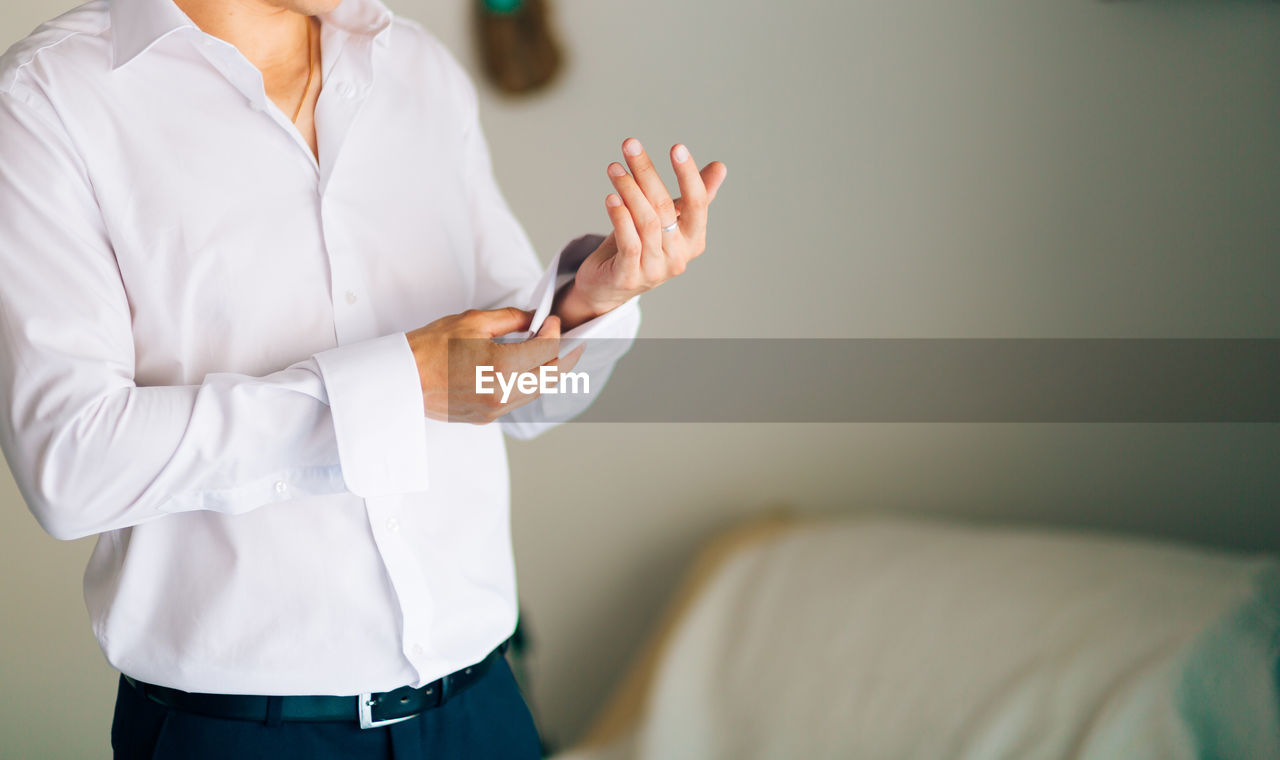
<point>943,380</point>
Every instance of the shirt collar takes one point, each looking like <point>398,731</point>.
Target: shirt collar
<point>138,24</point>
<point>365,18</point>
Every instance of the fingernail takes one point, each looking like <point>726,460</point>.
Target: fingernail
<point>616,170</point>
<point>632,147</point>
<point>613,201</point>
<point>682,154</point>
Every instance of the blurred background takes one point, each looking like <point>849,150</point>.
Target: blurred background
<point>911,169</point>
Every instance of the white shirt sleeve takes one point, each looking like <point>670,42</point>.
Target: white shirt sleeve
<point>508,274</point>
<point>92,451</point>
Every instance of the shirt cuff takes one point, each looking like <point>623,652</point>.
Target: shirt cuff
<point>375,398</point>
<point>561,271</point>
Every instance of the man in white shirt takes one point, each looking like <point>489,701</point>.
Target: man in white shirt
<point>237,239</point>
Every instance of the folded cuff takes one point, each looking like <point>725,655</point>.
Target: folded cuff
<point>375,397</point>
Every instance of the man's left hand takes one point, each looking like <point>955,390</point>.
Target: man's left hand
<point>654,237</point>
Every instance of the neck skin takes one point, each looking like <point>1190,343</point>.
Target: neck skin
<point>273,37</point>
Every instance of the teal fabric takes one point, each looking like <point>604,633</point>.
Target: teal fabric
<point>1229,689</point>
<point>502,6</point>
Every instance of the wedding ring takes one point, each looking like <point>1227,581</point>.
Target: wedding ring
<point>672,226</point>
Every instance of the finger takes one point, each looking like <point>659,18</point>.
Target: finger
<point>712,175</point>
<point>567,362</point>
<point>625,235</point>
<point>542,348</point>
<point>693,192</point>
<point>649,181</point>
<point>642,213</point>
<point>495,322</point>
<point>570,360</point>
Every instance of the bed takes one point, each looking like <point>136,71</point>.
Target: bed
<point>872,637</point>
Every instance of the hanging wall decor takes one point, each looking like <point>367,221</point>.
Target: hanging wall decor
<point>520,53</point>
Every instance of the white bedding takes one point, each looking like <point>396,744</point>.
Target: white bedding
<point>892,639</point>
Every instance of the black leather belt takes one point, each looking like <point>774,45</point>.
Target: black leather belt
<point>370,709</point>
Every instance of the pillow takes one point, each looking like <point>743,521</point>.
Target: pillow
<point>877,638</point>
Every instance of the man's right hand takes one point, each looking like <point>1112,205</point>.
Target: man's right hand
<point>449,349</point>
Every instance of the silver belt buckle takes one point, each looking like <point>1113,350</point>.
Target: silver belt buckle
<point>365,706</point>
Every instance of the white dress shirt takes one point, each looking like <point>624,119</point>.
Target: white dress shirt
<point>202,349</point>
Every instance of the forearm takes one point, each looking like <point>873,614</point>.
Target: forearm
<point>92,452</point>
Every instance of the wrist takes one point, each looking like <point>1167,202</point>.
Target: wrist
<point>575,307</point>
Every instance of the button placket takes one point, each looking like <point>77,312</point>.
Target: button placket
<point>342,95</point>
<point>413,594</point>
<point>353,317</point>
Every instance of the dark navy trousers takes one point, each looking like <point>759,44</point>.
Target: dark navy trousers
<point>488,720</point>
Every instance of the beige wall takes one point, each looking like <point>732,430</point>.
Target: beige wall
<point>904,169</point>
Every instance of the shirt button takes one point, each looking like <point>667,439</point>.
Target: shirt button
<point>344,89</point>
<point>351,297</point>
<point>417,650</point>
<point>281,486</point>
<point>393,524</point>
